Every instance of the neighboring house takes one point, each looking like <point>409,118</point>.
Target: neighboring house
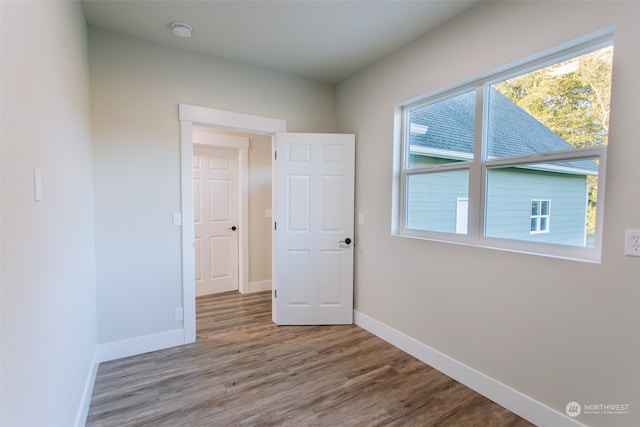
<point>536,202</point>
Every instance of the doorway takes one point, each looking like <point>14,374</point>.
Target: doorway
<point>242,181</point>
<point>195,117</point>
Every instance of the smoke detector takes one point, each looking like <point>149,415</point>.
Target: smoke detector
<point>181,29</point>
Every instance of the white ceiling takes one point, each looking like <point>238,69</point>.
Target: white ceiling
<point>325,40</point>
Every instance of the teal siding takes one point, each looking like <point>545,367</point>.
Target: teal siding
<point>432,202</point>
<point>509,196</point>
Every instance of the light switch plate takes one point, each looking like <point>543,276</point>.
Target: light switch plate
<point>177,218</point>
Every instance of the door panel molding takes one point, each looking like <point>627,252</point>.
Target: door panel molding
<point>314,208</point>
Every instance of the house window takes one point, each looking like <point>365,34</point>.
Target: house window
<point>475,156</point>
<point>540,216</point>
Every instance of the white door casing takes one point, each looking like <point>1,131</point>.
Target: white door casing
<point>216,219</point>
<point>191,116</point>
<point>314,205</point>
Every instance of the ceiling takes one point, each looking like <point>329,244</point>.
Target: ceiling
<point>326,40</point>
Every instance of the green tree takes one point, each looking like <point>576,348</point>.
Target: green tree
<point>572,99</point>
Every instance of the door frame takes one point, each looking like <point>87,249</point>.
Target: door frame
<point>240,145</point>
<point>190,116</point>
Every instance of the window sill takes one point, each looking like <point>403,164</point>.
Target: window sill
<point>563,252</point>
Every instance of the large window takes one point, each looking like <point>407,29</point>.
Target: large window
<point>482,162</point>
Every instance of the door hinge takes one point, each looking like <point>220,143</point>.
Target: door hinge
<point>275,155</point>
<point>275,293</point>
<point>275,225</point>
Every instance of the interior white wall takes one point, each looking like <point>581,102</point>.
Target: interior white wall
<point>260,226</point>
<point>136,87</point>
<point>555,330</point>
<point>48,280</point>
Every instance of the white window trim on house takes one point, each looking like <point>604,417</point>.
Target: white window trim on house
<point>462,215</point>
<point>540,216</point>
<point>480,164</point>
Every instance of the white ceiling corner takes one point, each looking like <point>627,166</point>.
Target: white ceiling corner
<point>323,40</point>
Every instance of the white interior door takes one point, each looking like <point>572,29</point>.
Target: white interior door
<point>215,208</point>
<point>314,187</point>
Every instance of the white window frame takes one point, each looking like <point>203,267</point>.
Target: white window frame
<point>540,216</point>
<point>479,165</point>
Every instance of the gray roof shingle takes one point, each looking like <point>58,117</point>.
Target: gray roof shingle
<point>512,131</point>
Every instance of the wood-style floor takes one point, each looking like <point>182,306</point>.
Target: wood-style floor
<point>245,371</point>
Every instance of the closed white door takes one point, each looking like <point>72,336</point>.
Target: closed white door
<point>314,185</point>
<point>215,199</point>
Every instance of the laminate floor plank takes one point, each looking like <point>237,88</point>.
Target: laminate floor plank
<point>243,370</point>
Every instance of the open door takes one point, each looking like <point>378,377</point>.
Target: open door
<point>313,237</point>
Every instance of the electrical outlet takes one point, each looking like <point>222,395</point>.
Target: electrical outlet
<point>178,316</point>
<point>632,242</point>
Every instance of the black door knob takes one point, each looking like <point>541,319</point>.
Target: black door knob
<point>234,228</point>
<point>346,241</point>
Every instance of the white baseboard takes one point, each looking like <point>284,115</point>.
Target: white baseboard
<point>264,285</point>
<point>145,344</point>
<point>85,402</point>
<point>518,403</point>
<point>119,349</point>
